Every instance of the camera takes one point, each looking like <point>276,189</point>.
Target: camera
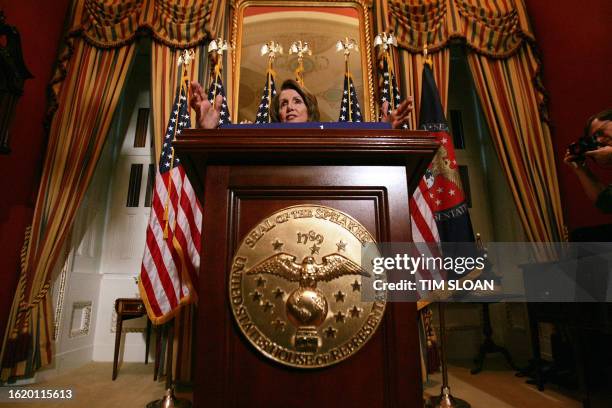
<point>583,145</point>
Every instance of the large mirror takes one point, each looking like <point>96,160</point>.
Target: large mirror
<point>321,24</point>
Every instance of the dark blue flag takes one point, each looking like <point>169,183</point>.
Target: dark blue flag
<point>216,88</point>
<point>349,108</point>
<point>441,186</point>
<point>269,92</point>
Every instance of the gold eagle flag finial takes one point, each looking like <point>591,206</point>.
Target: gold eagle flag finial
<point>385,40</point>
<point>185,57</point>
<point>300,48</point>
<point>271,49</point>
<point>219,46</point>
<point>216,48</point>
<point>426,57</point>
<point>347,45</point>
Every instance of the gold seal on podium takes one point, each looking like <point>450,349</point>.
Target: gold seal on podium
<point>296,287</point>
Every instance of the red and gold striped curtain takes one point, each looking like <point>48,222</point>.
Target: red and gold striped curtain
<point>86,104</point>
<point>111,23</point>
<point>90,75</point>
<point>497,28</point>
<point>522,140</point>
<point>505,69</point>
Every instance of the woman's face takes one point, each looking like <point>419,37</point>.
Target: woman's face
<point>292,107</point>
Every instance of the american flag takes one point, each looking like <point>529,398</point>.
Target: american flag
<point>349,108</point>
<point>216,88</point>
<point>171,261</point>
<point>269,92</point>
<point>389,92</point>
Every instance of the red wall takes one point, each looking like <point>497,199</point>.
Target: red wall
<point>40,24</point>
<point>576,43</point>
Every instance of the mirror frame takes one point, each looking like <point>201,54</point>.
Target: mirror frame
<point>363,8</point>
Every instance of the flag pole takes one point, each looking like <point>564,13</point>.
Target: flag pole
<point>169,399</point>
<point>386,41</point>
<point>300,48</point>
<point>269,85</point>
<point>216,48</point>
<point>184,59</point>
<point>445,399</point>
<point>270,49</point>
<point>391,72</point>
<point>346,46</point>
<point>348,81</point>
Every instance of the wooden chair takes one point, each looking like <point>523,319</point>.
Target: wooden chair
<point>129,308</point>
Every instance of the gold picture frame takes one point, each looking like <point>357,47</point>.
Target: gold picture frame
<point>364,81</point>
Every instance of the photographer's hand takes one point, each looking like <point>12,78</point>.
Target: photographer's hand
<point>601,156</point>
<point>575,162</point>
<point>590,184</point>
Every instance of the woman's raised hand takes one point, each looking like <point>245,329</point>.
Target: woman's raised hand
<point>207,114</point>
<point>400,116</point>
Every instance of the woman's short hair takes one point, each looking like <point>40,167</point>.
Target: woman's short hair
<point>603,115</point>
<point>309,100</point>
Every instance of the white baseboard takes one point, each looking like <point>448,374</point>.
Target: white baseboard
<point>129,353</point>
<point>65,362</point>
<point>22,381</point>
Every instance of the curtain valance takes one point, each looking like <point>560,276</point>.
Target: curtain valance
<point>496,28</point>
<point>110,24</point>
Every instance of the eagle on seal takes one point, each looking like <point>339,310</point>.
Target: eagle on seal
<point>309,272</point>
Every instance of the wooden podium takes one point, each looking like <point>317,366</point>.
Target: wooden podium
<point>243,175</point>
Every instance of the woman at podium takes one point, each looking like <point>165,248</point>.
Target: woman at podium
<point>293,104</point>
